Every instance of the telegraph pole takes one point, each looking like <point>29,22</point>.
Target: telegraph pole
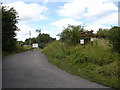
<point>39,31</point>
<point>30,37</point>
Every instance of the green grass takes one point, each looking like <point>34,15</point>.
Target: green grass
<point>97,62</point>
<point>19,49</point>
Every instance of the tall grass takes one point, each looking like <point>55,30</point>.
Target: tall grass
<point>97,62</point>
<point>19,49</point>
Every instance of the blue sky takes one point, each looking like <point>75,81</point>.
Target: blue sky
<point>51,15</point>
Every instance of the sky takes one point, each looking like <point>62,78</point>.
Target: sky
<point>52,15</point>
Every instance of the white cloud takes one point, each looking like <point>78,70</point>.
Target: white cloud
<point>45,1</point>
<point>95,13</point>
<point>100,9</point>
<point>72,9</point>
<point>45,31</point>
<point>88,8</point>
<point>65,21</point>
<point>96,27</point>
<point>91,11</point>
<point>110,19</point>
<point>24,32</point>
<point>30,11</point>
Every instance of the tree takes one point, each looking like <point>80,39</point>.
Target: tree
<point>28,40</point>
<point>20,43</point>
<point>71,34</point>
<point>9,21</point>
<point>44,39</point>
<point>113,35</point>
<point>114,38</point>
<point>102,33</point>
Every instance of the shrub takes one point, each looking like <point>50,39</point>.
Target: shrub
<point>71,34</point>
<point>114,37</point>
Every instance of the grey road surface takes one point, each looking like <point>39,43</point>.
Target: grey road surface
<point>31,69</point>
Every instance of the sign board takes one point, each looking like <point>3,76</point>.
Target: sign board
<point>86,35</point>
<point>35,45</point>
<point>92,39</point>
<point>81,41</point>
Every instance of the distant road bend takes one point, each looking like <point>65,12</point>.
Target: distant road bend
<point>31,69</point>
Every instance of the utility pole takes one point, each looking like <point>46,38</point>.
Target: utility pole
<point>39,31</point>
<point>30,37</point>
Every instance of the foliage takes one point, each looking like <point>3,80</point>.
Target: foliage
<point>102,33</point>
<point>9,21</point>
<point>114,37</point>
<point>20,43</point>
<point>42,40</point>
<point>20,49</point>
<point>28,40</point>
<point>59,49</point>
<point>95,62</point>
<point>71,34</point>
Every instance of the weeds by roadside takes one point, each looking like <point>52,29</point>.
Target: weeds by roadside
<point>96,62</point>
<point>18,50</point>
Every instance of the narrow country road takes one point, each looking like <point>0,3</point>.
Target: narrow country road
<point>31,69</point>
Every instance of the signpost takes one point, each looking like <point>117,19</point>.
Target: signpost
<point>87,35</point>
<point>82,41</point>
<point>92,39</point>
<point>35,45</point>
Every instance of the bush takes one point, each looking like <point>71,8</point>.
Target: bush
<point>110,70</point>
<point>71,34</point>
<point>114,37</point>
<point>20,49</point>
<point>59,49</point>
<point>95,55</point>
<point>94,62</point>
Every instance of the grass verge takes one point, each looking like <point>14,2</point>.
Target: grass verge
<point>19,49</point>
<point>97,63</point>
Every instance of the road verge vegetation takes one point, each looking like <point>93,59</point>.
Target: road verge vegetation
<point>19,49</point>
<point>97,62</point>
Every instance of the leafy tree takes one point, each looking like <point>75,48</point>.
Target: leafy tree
<point>33,40</point>
<point>28,40</point>
<point>102,33</point>
<point>20,43</point>
<point>71,34</point>
<point>9,21</point>
<point>44,39</point>
<point>114,37</point>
